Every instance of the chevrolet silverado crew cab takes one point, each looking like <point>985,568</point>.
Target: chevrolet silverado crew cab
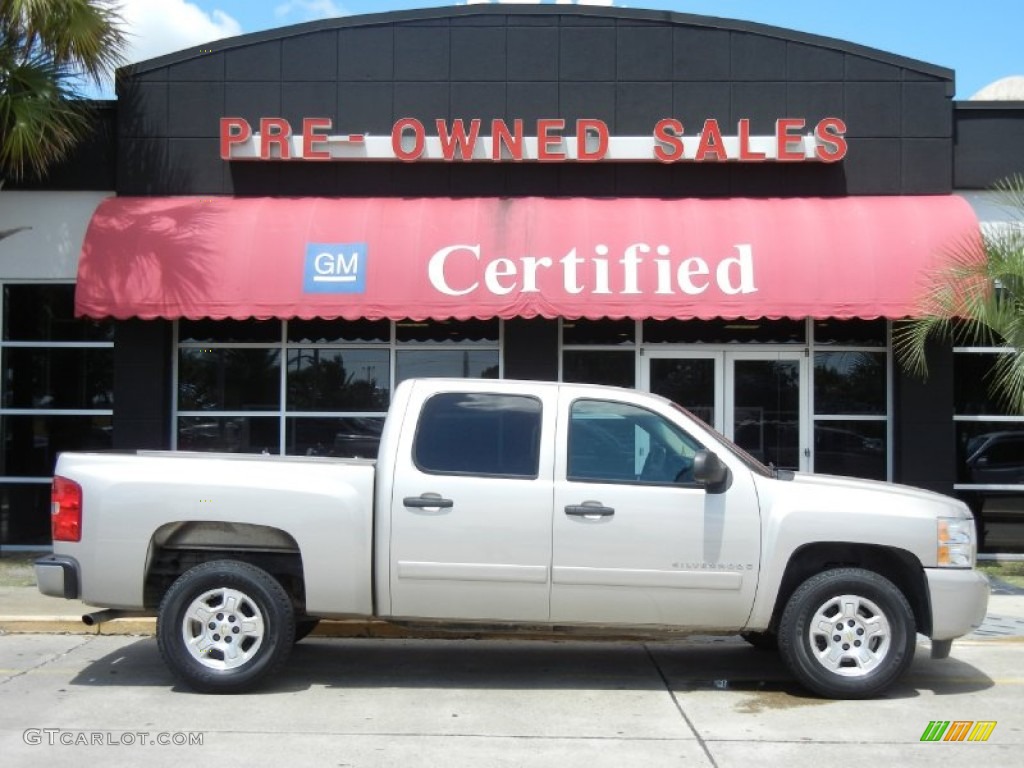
<point>516,505</point>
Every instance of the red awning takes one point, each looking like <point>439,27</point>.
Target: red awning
<point>494,257</point>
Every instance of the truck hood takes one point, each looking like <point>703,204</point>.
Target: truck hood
<point>954,507</point>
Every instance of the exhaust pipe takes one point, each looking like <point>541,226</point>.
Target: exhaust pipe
<point>98,617</point>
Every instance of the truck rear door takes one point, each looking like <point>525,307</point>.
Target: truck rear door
<point>470,503</point>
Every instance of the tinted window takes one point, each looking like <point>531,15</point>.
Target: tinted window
<point>620,443</point>
<point>599,367</point>
<point>479,434</point>
<point>759,331</point>
<point>47,313</point>
<point>602,331</point>
<point>850,383</point>
<point>990,453</point>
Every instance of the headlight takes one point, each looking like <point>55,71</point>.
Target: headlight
<point>956,547</point>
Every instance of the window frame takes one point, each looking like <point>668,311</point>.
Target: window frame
<point>282,413</point>
<point>41,481</point>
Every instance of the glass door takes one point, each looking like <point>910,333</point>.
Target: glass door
<point>757,399</point>
<point>692,380</point>
<point>766,406</point>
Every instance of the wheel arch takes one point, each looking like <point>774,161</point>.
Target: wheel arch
<point>175,548</point>
<point>900,567</point>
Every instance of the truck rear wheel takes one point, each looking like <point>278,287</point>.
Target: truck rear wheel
<point>225,625</point>
<point>847,633</point>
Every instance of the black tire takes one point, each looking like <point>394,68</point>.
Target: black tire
<point>763,641</point>
<point>870,645</point>
<point>303,626</point>
<point>224,626</point>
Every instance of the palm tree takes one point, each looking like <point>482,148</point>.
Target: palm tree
<point>978,300</point>
<point>49,50</point>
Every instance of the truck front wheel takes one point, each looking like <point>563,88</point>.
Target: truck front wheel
<point>847,633</point>
<point>225,625</point>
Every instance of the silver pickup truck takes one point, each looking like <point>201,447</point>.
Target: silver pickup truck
<point>514,504</point>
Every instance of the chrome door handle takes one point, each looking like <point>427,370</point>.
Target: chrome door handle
<point>589,509</point>
<point>427,501</point>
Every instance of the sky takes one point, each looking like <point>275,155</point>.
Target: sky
<point>980,40</point>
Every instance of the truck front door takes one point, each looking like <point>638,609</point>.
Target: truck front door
<point>636,540</point>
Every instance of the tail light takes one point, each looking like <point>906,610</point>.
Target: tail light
<point>66,510</point>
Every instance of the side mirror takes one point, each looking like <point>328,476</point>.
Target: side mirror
<point>711,472</point>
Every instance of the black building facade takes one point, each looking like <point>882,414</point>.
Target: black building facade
<point>804,389</point>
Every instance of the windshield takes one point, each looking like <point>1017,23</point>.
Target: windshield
<point>751,463</point>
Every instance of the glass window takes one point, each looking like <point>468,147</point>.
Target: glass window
<point>345,437</point>
<point>339,379</point>
<point>999,516</point>
<point>687,381</point>
<point>230,331</point>
<point>229,434</point>
<point>602,331</point>
<point>459,363</point>
<point>75,378</point>
<point>479,434</point>
<point>850,383</point>
<point>337,331</point>
<point>761,331</point>
<point>599,367</point>
<point>56,394</point>
<point>24,514</point>
<point>854,448</point>
<point>990,452</point>
<point>32,442</point>
<point>241,379</point>
<point>462,331</point>
<point>851,333</point>
<point>46,312</point>
<point>971,377</point>
<point>620,443</point>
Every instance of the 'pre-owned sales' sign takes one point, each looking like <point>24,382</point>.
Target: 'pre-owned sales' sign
<point>551,140</point>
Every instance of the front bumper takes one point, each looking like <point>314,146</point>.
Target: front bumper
<point>57,576</point>
<point>959,600</point>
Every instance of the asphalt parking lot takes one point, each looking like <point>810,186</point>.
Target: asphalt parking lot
<point>69,699</point>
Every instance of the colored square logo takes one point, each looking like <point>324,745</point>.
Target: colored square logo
<point>335,268</point>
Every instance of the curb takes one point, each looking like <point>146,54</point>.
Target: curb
<point>73,625</point>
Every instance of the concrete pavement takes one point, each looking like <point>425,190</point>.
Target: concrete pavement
<point>376,704</point>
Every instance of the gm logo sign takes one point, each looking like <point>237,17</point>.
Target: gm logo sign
<point>335,268</point>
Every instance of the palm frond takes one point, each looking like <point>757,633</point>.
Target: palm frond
<point>977,299</point>
<point>48,48</point>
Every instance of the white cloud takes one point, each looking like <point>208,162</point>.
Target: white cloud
<point>157,27</point>
<point>310,10</point>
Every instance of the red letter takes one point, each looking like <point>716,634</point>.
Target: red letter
<point>784,139</point>
<point>458,136</point>
<point>275,130</point>
<point>419,139</point>
<point>831,140</point>
<point>513,141</point>
<point>668,146</point>
<point>711,142</point>
<point>547,143</point>
<point>311,137</point>
<point>233,130</point>
<point>591,127</point>
<point>746,153</point>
